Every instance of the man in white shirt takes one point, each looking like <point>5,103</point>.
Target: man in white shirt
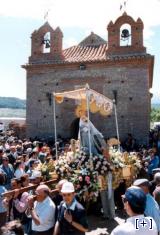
<point>134,203</point>
<point>151,208</point>
<point>42,212</point>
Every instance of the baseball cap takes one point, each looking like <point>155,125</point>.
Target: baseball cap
<point>155,170</point>
<point>141,182</point>
<point>5,158</point>
<point>67,187</point>
<point>136,197</point>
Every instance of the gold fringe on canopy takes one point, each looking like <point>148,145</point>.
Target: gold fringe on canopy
<point>93,107</point>
<point>104,113</point>
<point>97,101</point>
<point>59,99</point>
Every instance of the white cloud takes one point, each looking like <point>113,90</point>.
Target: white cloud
<point>94,15</point>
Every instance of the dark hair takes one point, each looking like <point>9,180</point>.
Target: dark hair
<point>31,154</point>
<point>31,163</point>
<point>18,181</point>
<point>8,151</point>
<point>137,209</point>
<point>2,178</point>
<point>23,178</point>
<point>17,164</point>
<point>13,227</point>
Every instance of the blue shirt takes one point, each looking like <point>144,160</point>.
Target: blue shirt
<point>2,190</point>
<point>154,163</point>
<point>78,215</point>
<point>152,210</point>
<point>9,174</point>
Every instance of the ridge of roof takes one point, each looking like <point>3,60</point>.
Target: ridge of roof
<point>92,40</point>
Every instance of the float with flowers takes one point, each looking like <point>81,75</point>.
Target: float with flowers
<point>84,171</point>
<point>83,167</point>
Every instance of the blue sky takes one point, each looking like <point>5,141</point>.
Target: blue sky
<point>76,18</point>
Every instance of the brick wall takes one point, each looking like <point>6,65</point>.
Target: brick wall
<point>133,102</point>
<point>128,70</point>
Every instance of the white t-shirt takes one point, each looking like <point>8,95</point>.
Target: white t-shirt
<point>46,213</point>
<point>137,225</point>
<point>18,173</point>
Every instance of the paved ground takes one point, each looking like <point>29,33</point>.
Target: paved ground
<point>99,226</point>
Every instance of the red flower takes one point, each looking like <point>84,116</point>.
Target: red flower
<point>80,178</point>
<point>87,179</point>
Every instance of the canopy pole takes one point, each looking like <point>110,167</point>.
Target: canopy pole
<point>89,133</point>
<point>116,119</point>
<point>55,124</point>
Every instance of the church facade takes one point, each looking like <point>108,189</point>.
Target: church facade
<point>120,68</point>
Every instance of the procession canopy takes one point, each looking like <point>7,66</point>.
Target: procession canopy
<point>97,102</point>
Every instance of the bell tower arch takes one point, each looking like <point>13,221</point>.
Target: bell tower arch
<point>125,29</point>
<point>46,44</point>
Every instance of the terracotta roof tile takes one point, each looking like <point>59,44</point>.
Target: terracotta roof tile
<point>85,53</point>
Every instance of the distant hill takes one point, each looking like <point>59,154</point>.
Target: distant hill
<point>156,105</point>
<point>12,102</point>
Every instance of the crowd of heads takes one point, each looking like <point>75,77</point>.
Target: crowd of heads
<point>20,162</point>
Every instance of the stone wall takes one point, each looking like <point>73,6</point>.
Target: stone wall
<point>131,82</point>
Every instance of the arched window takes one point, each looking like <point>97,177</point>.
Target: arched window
<point>47,43</point>
<point>125,35</point>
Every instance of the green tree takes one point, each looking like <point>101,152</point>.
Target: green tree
<point>155,115</point>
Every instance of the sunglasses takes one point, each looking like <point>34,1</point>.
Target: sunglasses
<point>124,199</point>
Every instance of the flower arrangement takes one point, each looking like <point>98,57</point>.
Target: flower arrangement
<point>46,168</point>
<point>83,171</point>
<point>86,185</point>
<point>125,166</point>
<point>116,158</point>
<point>64,167</point>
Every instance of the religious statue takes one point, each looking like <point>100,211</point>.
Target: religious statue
<point>97,142</point>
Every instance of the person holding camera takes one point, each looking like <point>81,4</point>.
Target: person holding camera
<point>134,201</point>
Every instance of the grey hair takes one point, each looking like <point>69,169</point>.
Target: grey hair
<point>157,177</point>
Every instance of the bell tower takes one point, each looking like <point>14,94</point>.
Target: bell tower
<point>125,36</point>
<point>46,44</point>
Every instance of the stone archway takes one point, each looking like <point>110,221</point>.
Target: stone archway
<point>74,128</point>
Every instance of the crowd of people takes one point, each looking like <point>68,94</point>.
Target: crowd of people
<point>37,211</point>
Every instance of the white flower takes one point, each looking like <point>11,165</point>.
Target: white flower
<point>84,172</point>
